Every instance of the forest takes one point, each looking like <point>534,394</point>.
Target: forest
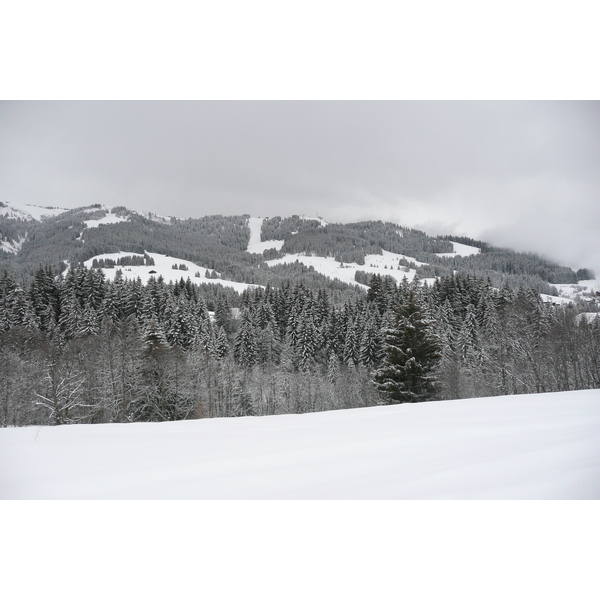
<point>76,348</point>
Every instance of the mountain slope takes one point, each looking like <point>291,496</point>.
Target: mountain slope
<point>259,251</point>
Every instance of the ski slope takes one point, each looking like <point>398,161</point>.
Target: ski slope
<point>539,446</point>
<point>255,245</point>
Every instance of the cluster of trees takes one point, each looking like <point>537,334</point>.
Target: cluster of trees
<point>513,263</point>
<point>81,349</point>
<point>353,241</point>
<point>123,261</point>
<point>278,228</point>
<point>530,263</point>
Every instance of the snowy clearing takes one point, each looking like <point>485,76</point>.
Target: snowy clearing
<point>538,446</point>
<point>588,316</point>
<point>380,264</point>
<point>555,299</point>
<point>585,290</point>
<point>460,250</point>
<point>255,246</point>
<point>163,265</point>
<point>107,219</point>
<point>321,220</point>
<point>579,289</point>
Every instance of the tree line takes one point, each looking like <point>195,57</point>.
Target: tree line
<point>79,348</point>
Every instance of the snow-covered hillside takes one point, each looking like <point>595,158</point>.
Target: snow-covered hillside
<point>321,220</point>
<point>163,266</point>
<point>386,263</point>
<point>28,212</point>
<point>555,299</point>
<point>12,247</point>
<point>107,219</point>
<point>460,250</point>
<point>531,447</point>
<point>582,288</point>
<point>587,290</point>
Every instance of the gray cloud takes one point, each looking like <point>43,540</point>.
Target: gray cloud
<point>521,174</point>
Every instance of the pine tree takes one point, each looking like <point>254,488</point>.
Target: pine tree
<point>370,345</point>
<point>220,346</point>
<point>306,345</point>
<point>412,353</point>
<point>154,338</point>
<point>89,322</point>
<point>246,343</point>
<point>351,346</point>
<point>468,339</point>
<point>333,368</point>
<point>70,315</point>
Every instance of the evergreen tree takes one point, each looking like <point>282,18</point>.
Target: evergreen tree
<point>370,345</point>
<point>220,346</point>
<point>306,344</point>
<point>246,342</point>
<point>412,353</point>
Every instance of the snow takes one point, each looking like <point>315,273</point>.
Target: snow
<point>590,285</point>
<point>154,217</point>
<point>554,299</point>
<point>163,265</point>
<point>582,290</point>
<point>579,289</point>
<point>29,212</point>
<point>460,250</point>
<point>587,316</point>
<point>321,220</point>
<point>255,245</point>
<point>12,247</point>
<point>381,264</point>
<point>107,219</point>
<point>539,446</point>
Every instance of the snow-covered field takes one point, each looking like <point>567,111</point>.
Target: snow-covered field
<point>460,250</point>
<point>555,299</point>
<point>573,290</point>
<point>383,264</point>
<point>12,247</point>
<point>29,212</point>
<point>584,289</point>
<point>587,316</point>
<point>512,447</point>
<point>163,265</point>
<point>107,219</point>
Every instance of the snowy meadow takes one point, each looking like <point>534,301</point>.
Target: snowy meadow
<point>536,446</point>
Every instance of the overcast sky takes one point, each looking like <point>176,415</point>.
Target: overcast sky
<point>521,174</point>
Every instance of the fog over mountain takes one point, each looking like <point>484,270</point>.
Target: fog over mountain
<point>519,174</point>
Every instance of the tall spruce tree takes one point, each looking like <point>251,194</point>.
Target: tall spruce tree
<point>412,353</point>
